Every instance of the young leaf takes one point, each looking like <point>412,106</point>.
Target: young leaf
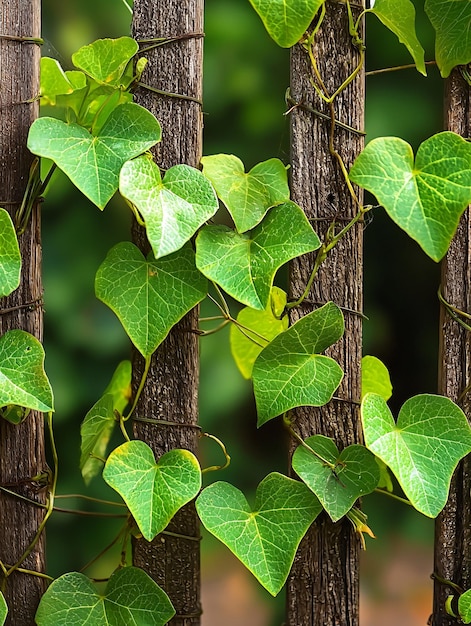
<point>173,208</point>
<point>464,607</point>
<point>425,198</point>
<point>93,162</point>
<point>105,60</point>
<point>291,372</point>
<point>424,447</point>
<point>375,377</point>
<point>10,257</point>
<point>153,492</point>
<point>3,609</point>
<point>131,597</point>
<point>256,330</point>
<point>356,473</point>
<point>399,17</point>
<point>453,36</point>
<point>245,265</point>
<point>286,20</point>
<point>23,380</point>
<point>247,196</point>
<point>266,538</point>
<point>55,82</point>
<point>148,296</point>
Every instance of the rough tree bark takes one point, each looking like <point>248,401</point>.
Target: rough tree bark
<point>323,584</point>
<point>171,390</point>
<point>453,525</point>
<point>22,453</point>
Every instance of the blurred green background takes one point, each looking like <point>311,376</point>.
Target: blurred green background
<point>245,79</point>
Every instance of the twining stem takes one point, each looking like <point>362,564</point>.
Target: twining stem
<point>300,440</point>
<point>31,572</point>
<point>162,41</point>
<point>396,68</point>
<point>69,496</point>
<point>122,533</point>
<point>214,468</point>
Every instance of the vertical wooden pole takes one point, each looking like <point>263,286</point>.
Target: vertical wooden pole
<point>171,390</point>
<point>323,584</point>
<point>22,453</point>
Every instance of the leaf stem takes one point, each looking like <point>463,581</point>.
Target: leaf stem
<point>394,496</point>
<point>138,392</point>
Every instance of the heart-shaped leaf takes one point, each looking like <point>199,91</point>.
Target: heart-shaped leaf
<point>464,607</point>
<point>93,162</point>
<point>286,20</point>
<point>427,197</point>
<point>153,492</point>
<point>173,208</point>
<point>337,479</point>
<point>424,447</point>
<point>291,372</point>
<point>255,329</point>
<point>105,60</point>
<point>247,197</point>
<point>453,36</point>
<point>23,380</point>
<point>399,17</point>
<point>375,377</point>
<point>148,296</point>
<point>245,265</point>
<point>266,538</point>
<point>131,597</point>
<point>3,609</point>
<point>10,257</point>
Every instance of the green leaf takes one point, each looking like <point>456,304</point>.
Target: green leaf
<point>23,380</point>
<point>375,377</point>
<point>266,538</point>
<point>464,607</point>
<point>424,447</point>
<point>3,609</point>
<point>291,372</point>
<point>93,162</point>
<point>131,597</point>
<point>10,257</point>
<point>173,208</point>
<point>244,265</point>
<point>55,82</point>
<point>247,196</point>
<point>153,492</point>
<point>148,296</point>
<point>450,19</point>
<point>105,60</point>
<point>427,197</point>
<point>355,473</point>
<point>399,17</point>
<point>286,20</point>
<point>255,329</point>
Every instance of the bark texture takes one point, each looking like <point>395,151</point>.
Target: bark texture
<point>323,584</point>
<point>453,525</point>
<point>22,453</point>
<point>171,390</point>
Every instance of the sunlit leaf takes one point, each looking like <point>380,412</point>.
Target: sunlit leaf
<point>375,377</point>
<point>10,258</point>
<point>105,60</point>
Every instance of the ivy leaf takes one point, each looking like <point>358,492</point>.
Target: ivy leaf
<point>56,82</point>
<point>131,597</point>
<point>464,607</point>
<point>93,162</point>
<point>247,197</point>
<point>3,609</point>
<point>453,36</point>
<point>105,60</point>
<point>266,538</point>
<point>356,473</point>
<point>426,198</point>
<point>286,20</point>
<point>153,492</point>
<point>148,296</point>
<point>255,329</point>
<point>10,257</point>
<point>399,17</point>
<point>100,421</point>
<point>244,265</point>
<point>291,372</point>
<point>173,208</point>
<point>23,380</point>
<point>375,377</point>
<point>424,447</point>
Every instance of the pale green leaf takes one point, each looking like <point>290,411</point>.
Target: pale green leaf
<point>424,447</point>
<point>153,491</point>
<point>23,380</point>
<point>426,198</point>
<point>375,377</point>
<point>131,597</point>
<point>105,60</point>
<point>10,257</point>
<point>266,537</point>
<point>148,296</point>
<point>3,609</point>
<point>464,607</point>
<point>451,20</point>
<point>55,82</point>
<point>244,265</point>
<point>247,197</point>
<point>292,372</point>
<point>173,208</point>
